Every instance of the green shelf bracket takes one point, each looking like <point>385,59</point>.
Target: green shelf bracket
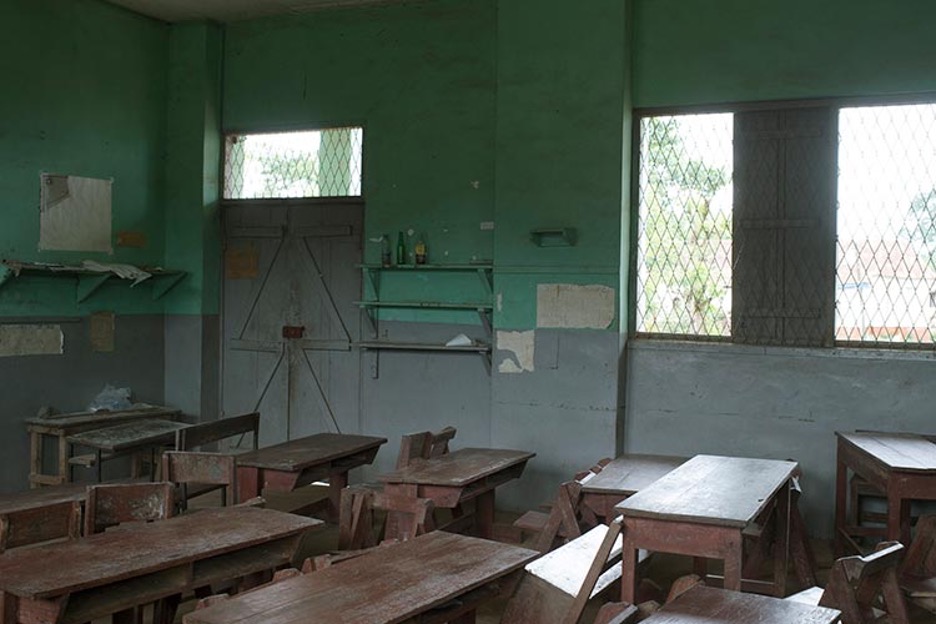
<point>88,284</point>
<point>487,281</point>
<point>165,283</point>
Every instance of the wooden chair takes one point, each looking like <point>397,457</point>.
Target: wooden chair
<point>567,517</point>
<point>413,515</point>
<point>203,434</point>
<point>863,588</point>
<point>112,504</point>
<point>40,524</point>
<point>558,586</point>
<point>356,507</point>
<point>203,472</point>
<point>918,571</point>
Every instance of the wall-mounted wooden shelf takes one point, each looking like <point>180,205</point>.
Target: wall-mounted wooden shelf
<point>88,281</point>
<point>372,273</point>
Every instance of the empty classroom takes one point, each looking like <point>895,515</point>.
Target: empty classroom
<point>378,311</point>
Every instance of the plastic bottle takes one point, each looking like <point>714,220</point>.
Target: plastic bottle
<point>385,250</point>
<point>400,250</point>
<point>422,253</point>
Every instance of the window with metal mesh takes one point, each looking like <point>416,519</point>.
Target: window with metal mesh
<point>886,251</point>
<point>684,225</point>
<point>317,163</point>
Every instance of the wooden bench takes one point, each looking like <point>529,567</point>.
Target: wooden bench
<point>918,571</point>
<point>718,606</point>
<point>203,434</point>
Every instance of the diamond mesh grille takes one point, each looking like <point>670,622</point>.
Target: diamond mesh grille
<point>319,163</point>
<point>886,250</point>
<point>684,225</point>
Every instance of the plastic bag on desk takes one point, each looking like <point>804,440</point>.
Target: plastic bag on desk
<point>111,399</point>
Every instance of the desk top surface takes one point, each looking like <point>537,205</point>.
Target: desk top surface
<point>711,489</point>
<point>718,606</point>
<point>42,497</point>
<point>458,468</point>
<point>134,550</point>
<point>907,452</point>
<point>82,420</point>
<point>630,473</point>
<point>314,450</point>
<point>129,435</point>
<point>390,585</point>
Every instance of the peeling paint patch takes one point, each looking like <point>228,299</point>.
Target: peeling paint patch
<point>500,302</point>
<point>17,340</point>
<point>518,351</point>
<point>574,306</point>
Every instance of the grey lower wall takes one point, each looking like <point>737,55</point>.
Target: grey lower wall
<point>70,381</point>
<point>192,364</point>
<point>565,411</point>
<point>419,391</point>
<point>688,398</point>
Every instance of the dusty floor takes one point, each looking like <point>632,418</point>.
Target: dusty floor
<point>662,569</point>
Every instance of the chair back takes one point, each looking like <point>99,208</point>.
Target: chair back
<point>115,503</point>
<point>858,585</point>
<point>202,434</point>
<point>40,524</point>
<point>412,515</point>
<point>918,570</point>
<point>424,445</point>
<point>185,468</point>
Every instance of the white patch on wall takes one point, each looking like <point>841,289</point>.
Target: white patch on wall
<point>518,348</point>
<point>17,340</point>
<point>74,213</point>
<point>574,306</point>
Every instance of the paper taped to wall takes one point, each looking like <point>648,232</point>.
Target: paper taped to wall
<point>517,350</point>
<point>17,340</point>
<point>74,213</point>
<point>574,306</point>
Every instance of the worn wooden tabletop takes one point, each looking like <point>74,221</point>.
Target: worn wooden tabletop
<point>102,418</point>
<point>390,585</point>
<point>630,473</point>
<point>709,605</point>
<point>42,497</point>
<point>458,468</point>
<point>63,568</point>
<point>710,489</point>
<point>129,435</point>
<point>313,450</point>
<point>906,452</point>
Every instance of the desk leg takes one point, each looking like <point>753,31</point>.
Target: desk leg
<point>8,608</point>
<point>35,458</point>
<point>782,543</point>
<point>248,483</point>
<point>841,503</point>
<point>337,481</point>
<point>484,514</point>
<point>99,465</point>
<point>629,557</point>
<point>64,454</point>
<point>733,562</point>
<point>898,516</point>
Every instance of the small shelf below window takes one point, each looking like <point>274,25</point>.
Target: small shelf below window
<point>439,305</point>
<point>422,346</point>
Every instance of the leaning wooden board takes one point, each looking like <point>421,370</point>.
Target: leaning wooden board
<point>421,577</point>
<point>92,577</point>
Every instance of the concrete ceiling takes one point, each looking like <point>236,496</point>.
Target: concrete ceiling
<point>230,10</point>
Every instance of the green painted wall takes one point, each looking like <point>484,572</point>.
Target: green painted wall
<point>193,167</point>
<point>560,143</point>
<point>692,52</point>
<point>84,94</point>
<point>419,77</point>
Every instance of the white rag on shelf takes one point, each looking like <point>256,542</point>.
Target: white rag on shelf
<point>125,271</point>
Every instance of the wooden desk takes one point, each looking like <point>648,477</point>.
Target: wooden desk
<point>438,577</point>
<point>902,465</point>
<point>457,477</point>
<point>284,467</point>
<point>625,476</point>
<point>127,438</point>
<point>96,576</point>
<point>701,508</point>
<point>717,606</point>
<point>62,425</point>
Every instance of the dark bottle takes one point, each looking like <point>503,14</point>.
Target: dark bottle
<point>400,250</point>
